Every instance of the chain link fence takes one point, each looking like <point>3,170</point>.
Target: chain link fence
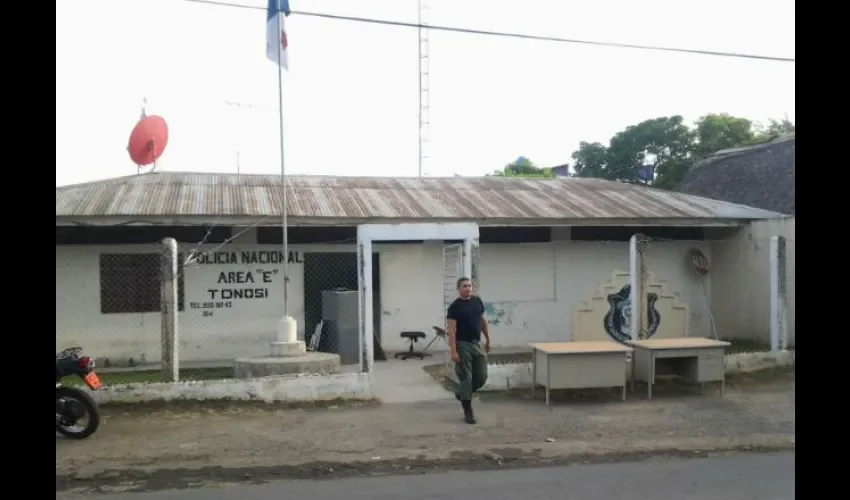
<point>235,303</point>
<point>330,305</point>
<point>228,304</point>
<point>724,285</point>
<point>121,290</point>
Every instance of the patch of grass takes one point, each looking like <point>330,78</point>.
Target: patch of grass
<point>772,374</point>
<point>509,358</point>
<point>235,405</point>
<point>745,345</point>
<point>150,376</point>
<point>663,386</point>
<point>438,373</point>
<point>740,345</point>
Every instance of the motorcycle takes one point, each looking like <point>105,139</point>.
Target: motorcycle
<point>72,404</point>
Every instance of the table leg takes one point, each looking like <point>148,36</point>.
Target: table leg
<point>625,383</point>
<point>634,372</point>
<point>548,381</point>
<point>651,372</point>
<point>533,372</point>
<point>723,379</point>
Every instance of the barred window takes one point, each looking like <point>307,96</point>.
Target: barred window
<point>130,283</point>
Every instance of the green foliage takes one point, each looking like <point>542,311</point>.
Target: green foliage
<point>716,132</point>
<point>774,129</point>
<point>523,167</point>
<point>669,146</point>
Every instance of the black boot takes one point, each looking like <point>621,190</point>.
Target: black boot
<point>468,416</point>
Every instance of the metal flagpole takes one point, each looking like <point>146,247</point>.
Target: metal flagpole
<point>283,221</point>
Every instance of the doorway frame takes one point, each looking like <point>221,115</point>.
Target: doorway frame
<point>369,233</point>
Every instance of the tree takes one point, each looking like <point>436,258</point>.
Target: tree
<point>721,131</point>
<point>523,167</point>
<point>591,160</point>
<point>661,144</point>
<point>774,129</point>
<point>669,147</point>
<point>664,144</point>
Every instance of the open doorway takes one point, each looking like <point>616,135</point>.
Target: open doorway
<point>336,270</point>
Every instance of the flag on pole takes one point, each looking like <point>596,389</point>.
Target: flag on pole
<point>276,42</point>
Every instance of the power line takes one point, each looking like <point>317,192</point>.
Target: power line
<point>522,36</point>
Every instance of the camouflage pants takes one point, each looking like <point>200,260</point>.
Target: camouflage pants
<point>471,370</point>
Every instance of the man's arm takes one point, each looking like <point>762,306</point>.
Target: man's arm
<point>485,330</point>
<point>485,327</point>
<point>452,335</point>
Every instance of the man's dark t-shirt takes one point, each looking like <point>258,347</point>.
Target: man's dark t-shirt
<point>467,315</point>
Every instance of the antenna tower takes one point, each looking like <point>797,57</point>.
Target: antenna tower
<point>142,116</point>
<point>238,133</point>
<point>424,86</point>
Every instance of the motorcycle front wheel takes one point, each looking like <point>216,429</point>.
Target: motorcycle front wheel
<point>71,406</point>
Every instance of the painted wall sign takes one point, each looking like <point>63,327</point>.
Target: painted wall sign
<point>618,319</point>
<point>232,287</point>
<point>249,258</point>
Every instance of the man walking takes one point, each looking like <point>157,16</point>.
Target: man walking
<point>466,324</point>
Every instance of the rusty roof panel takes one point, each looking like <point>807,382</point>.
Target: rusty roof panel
<point>457,198</point>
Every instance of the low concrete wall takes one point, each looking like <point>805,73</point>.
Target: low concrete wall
<point>518,375</point>
<point>268,389</point>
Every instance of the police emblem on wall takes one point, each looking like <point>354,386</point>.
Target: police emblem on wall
<point>618,319</point>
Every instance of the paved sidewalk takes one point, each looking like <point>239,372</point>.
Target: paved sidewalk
<point>302,443</point>
<point>399,381</point>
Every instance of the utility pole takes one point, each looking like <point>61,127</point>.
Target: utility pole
<point>424,87</point>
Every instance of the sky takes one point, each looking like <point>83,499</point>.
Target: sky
<point>351,96</point>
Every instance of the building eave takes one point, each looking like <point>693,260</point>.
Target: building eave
<point>244,221</point>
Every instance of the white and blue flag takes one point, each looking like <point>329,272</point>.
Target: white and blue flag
<point>276,42</point>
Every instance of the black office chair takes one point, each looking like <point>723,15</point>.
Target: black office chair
<point>413,337</point>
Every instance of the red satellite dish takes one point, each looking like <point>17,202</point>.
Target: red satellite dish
<point>148,140</point>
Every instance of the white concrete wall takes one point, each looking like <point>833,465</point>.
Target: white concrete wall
<point>410,278</point>
<point>741,280</point>
<point>529,290</point>
<point>535,286</point>
<point>347,386</point>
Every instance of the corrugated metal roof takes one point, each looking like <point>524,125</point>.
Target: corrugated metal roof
<point>494,199</point>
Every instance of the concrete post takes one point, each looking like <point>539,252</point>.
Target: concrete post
<point>467,258</point>
<point>364,298</point>
<point>778,297</point>
<point>168,311</point>
<point>637,280</point>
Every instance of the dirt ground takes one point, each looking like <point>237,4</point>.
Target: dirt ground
<point>185,445</point>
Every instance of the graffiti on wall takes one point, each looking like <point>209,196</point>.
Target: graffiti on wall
<point>618,319</point>
<point>251,281</point>
<point>497,314</point>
